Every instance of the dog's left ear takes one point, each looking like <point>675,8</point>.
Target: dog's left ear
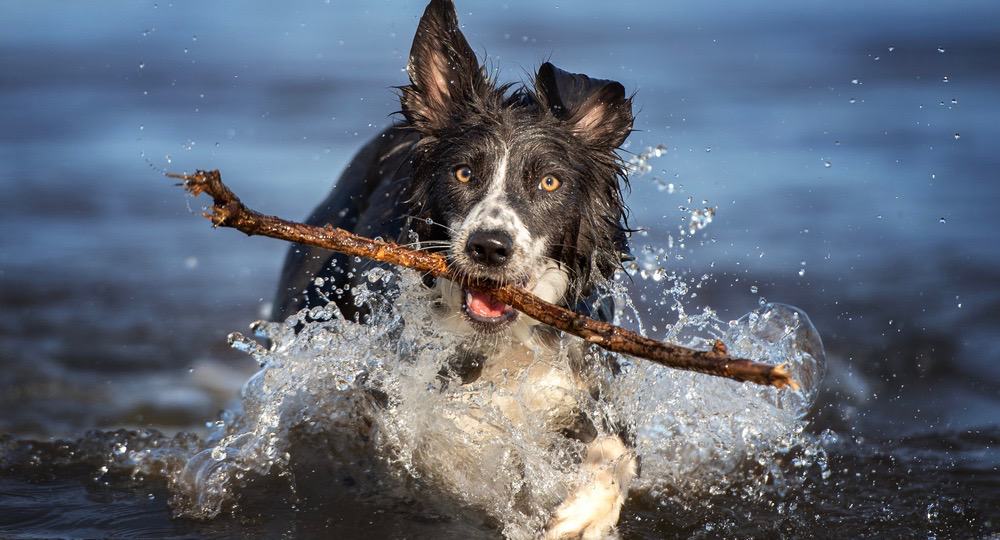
<point>443,69</point>
<point>596,110</point>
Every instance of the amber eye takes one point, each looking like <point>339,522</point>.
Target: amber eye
<point>549,183</point>
<point>463,173</point>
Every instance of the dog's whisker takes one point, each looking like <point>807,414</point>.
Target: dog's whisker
<point>430,221</point>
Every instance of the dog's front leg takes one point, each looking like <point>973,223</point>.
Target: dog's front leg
<point>592,510</point>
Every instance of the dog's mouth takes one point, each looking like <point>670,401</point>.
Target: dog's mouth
<point>485,311</point>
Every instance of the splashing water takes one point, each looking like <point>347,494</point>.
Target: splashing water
<point>638,164</point>
<point>701,436</point>
<point>375,395</point>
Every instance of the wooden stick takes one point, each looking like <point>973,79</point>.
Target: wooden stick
<point>229,211</point>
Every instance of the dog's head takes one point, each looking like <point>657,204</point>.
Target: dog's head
<point>521,186</point>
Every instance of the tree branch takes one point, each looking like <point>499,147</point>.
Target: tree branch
<point>229,211</point>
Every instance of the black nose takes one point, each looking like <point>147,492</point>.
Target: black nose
<point>490,248</point>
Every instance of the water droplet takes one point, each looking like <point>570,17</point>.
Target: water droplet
<point>891,48</point>
<point>942,220</point>
<point>852,101</point>
<point>753,289</point>
<point>802,272</point>
<point>827,164</point>
<point>375,274</point>
<point>855,81</point>
<point>142,65</point>
<point>940,50</point>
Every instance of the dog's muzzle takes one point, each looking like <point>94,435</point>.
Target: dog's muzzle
<point>492,249</point>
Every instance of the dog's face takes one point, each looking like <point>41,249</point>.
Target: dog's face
<point>516,187</point>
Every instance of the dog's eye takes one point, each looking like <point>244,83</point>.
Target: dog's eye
<point>463,173</point>
<point>549,183</point>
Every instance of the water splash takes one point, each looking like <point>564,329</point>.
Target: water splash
<point>700,437</point>
<point>377,395</point>
<point>639,164</point>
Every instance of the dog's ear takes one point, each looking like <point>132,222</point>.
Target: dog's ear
<point>443,69</point>
<point>596,110</point>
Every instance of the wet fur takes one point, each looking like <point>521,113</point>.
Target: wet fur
<point>566,243</point>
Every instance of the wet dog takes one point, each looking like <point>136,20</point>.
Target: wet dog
<point>517,185</point>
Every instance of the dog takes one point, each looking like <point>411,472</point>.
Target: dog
<point>515,185</point>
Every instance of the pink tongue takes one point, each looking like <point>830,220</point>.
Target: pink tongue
<point>485,305</point>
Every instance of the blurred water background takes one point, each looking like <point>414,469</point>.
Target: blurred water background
<point>849,150</point>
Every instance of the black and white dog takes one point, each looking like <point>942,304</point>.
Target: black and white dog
<point>514,185</point>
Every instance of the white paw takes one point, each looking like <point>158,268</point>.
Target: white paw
<point>590,513</point>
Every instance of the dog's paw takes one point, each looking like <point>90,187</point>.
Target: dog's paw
<point>591,513</point>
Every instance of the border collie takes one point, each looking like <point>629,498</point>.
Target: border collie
<point>517,185</point>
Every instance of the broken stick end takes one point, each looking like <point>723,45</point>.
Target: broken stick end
<point>193,183</point>
<point>780,378</point>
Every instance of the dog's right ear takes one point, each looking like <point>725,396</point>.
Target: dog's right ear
<point>596,110</point>
<point>443,69</point>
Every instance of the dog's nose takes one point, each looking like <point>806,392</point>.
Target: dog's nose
<point>490,248</point>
